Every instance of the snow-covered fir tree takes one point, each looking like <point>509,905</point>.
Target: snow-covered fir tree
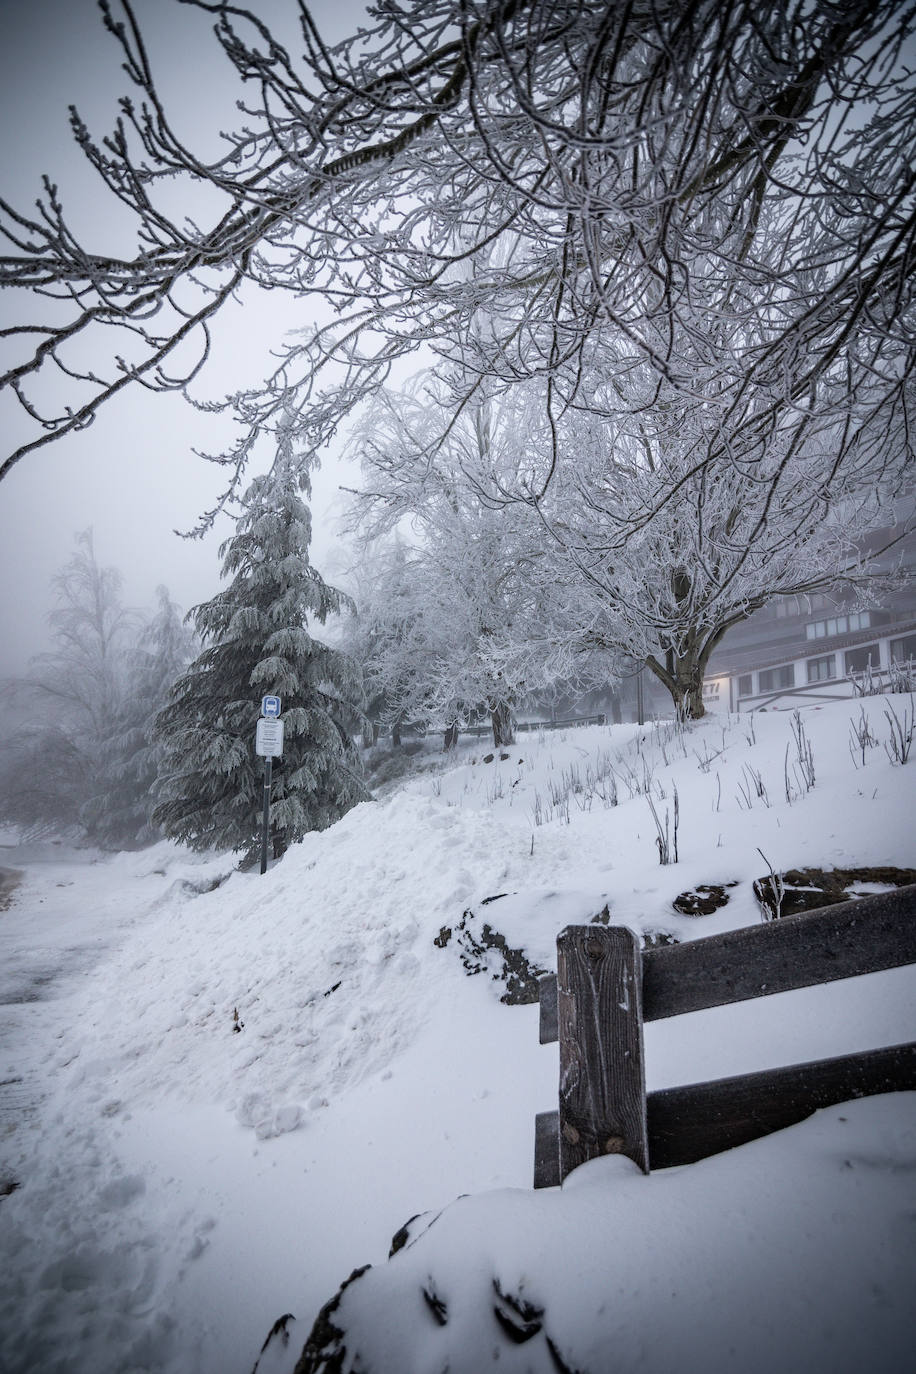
<point>256,641</point>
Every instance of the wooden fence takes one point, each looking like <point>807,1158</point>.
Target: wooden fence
<point>522,727</point>
<point>606,987</point>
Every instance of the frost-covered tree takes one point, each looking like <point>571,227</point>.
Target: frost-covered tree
<point>719,547</point>
<point>256,640</point>
<point>631,548</point>
<point>43,776</point>
<point>385,635</point>
<point>84,673</point>
<point>627,212</point>
<point>473,597</point>
<point>82,759</point>
<point>118,815</point>
<point>58,760</point>
<point>650,171</point>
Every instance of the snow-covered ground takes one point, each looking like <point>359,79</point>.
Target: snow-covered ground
<point>220,1092</point>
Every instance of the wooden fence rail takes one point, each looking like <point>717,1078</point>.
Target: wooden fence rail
<point>605,988</point>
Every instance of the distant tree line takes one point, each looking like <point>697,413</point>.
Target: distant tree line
<point>83,756</point>
<point>139,727</point>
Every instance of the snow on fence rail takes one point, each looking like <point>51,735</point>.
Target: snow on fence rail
<point>606,987</point>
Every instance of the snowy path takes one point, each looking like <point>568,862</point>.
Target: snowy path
<point>39,963</point>
<point>65,911</point>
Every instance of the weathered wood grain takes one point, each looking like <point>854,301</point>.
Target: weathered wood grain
<point>690,1123</point>
<point>842,941</point>
<point>605,989</point>
<point>549,1030</point>
<point>602,1080</point>
<point>547,1150</point>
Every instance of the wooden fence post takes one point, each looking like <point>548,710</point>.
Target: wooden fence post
<point>602,1077</point>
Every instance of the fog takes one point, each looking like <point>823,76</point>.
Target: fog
<point>133,475</point>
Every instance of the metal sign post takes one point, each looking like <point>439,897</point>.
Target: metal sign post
<point>265,819</point>
<point>268,742</point>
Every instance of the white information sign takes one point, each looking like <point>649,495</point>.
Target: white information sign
<point>268,740</point>
<point>270,707</point>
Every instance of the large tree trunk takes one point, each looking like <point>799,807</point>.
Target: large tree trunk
<point>451,737</point>
<point>683,678</point>
<point>501,718</point>
<point>689,704</point>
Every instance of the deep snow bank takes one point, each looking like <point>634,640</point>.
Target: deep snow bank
<point>184,1184</point>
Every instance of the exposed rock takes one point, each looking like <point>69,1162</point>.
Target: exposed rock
<point>603,917</point>
<point>436,1304</point>
<point>511,966</point>
<point>519,1319</point>
<point>417,1226</point>
<point>324,1351</point>
<point>402,1235</point>
<point>561,1365</point>
<point>702,900</point>
<point>807,889</point>
<point>277,1340</point>
<point>651,939</point>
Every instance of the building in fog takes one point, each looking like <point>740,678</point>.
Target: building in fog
<point>820,645</point>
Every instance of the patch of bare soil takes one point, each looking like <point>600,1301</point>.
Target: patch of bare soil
<point>10,878</point>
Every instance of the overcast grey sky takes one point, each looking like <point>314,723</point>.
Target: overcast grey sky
<point>132,476</point>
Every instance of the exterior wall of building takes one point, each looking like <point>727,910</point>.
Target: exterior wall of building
<point>839,669</point>
<point>819,646</point>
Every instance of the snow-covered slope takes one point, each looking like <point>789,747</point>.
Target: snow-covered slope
<point>237,1095</point>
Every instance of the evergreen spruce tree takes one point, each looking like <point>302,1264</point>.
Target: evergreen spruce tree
<point>256,641</point>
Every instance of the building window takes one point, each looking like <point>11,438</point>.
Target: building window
<point>746,685</point>
<point>820,669</point>
<point>838,625</point>
<point>787,606</point>
<point>861,659</point>
<point>903,650</point>
<point>775,679</point>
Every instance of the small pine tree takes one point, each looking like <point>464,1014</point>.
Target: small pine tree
<point>256,641</point>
